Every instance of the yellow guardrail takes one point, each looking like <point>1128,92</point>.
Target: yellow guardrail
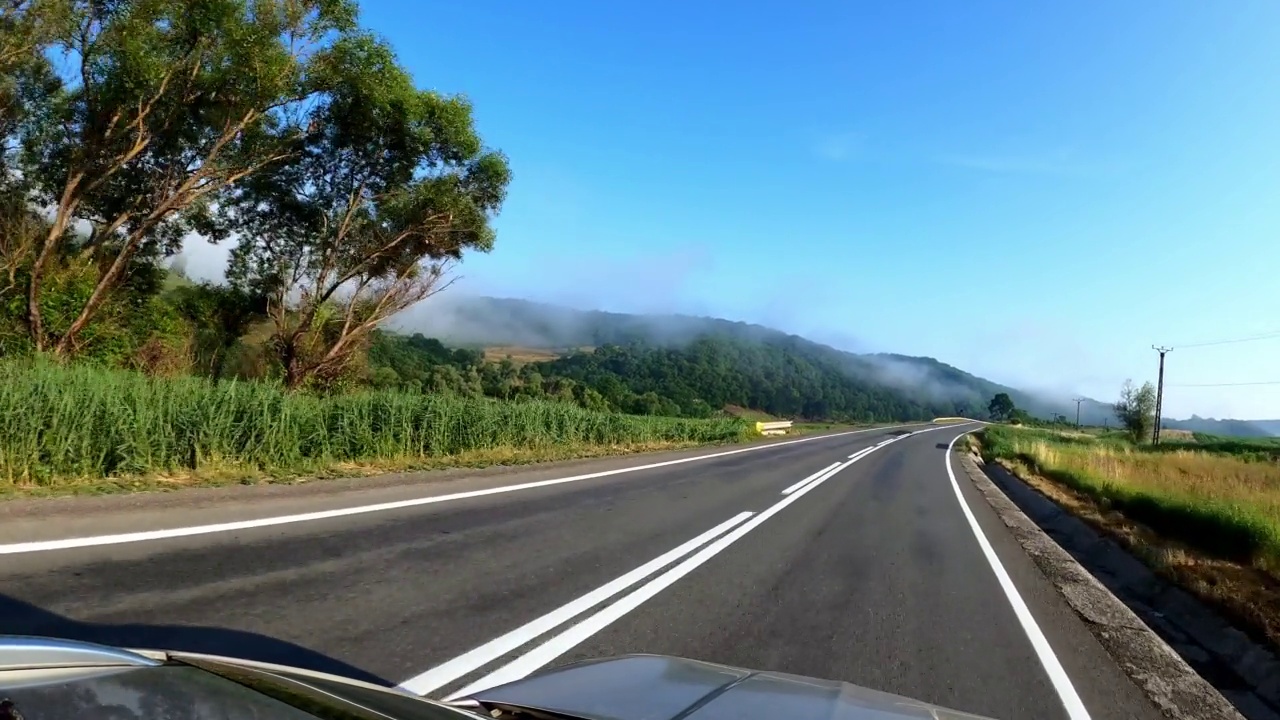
<point>779,427</point>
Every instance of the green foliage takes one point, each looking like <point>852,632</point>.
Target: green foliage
<point>219,316</point>
<point>1255,449</point>
<point>695,381</point>
<point>390,185</point>
<point>136,115</point>
<point>1213,507</point>
<point>1136,410</point>
<point>714,372</point>
<point>81,421</point>
<point>1000,407</point>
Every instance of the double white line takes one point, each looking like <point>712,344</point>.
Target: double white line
<point>715,540</point>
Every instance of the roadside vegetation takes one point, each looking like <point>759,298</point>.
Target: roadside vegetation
<point>1202,510</point>
<point>70,426</point>
<point>1223,503</point>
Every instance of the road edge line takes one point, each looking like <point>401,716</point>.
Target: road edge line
<point>1150,663</point>
<point>569,638</point>
<point>1067,694</point>
<point>169,533</point>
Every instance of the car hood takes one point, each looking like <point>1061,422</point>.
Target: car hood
<point>657,687</point>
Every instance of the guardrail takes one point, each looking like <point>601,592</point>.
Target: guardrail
<point>779,427</point>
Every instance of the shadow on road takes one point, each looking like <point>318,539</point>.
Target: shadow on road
<point>18,617</point>
<point>942,446</point>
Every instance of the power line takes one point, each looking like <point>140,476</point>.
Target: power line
<point>1077,401</point>
<point>1249,338</point>
<point>1231,384</point>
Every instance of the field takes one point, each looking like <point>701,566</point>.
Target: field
<point>1222,503</point>
<point>70,427</point>
<point>520,355</point>
<point>1205,513</point>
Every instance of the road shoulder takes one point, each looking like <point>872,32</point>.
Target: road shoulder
<point>35,520</point>
<point>1163,676</point>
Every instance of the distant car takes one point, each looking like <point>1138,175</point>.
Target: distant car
<point>47,679</point>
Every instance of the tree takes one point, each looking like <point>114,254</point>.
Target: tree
<point>163,105</point>
<point>363,221</point>
<point>1000,407</point>
<point>1136,409</point>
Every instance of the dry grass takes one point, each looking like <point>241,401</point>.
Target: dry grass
<point>1208,522</point>
<point>1177,435</point>
<point>748,414</point>
<point>519,355</point>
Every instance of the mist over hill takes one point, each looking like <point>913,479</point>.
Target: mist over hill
<point>475,321</point>
<point>471,321</point>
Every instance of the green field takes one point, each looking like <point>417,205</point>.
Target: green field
<point>1221,496</point>
<point>62,425</point>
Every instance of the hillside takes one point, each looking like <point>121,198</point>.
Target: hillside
<point>920,383</point>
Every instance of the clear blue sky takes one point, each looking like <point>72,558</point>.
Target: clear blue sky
<point>1035,194</point>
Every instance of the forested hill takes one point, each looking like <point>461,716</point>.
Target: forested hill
<point>694,363</point>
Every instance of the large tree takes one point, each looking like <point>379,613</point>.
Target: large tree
<point>391,186</point>
<point>1001,407</point>
<point>1136,409</point>
<point>159,107</point>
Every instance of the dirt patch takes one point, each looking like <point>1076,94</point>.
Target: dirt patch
<point>520,355</point>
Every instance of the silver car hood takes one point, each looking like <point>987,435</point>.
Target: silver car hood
<point>657,687</point>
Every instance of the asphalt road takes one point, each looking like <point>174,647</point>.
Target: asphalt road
<point>874,574</point>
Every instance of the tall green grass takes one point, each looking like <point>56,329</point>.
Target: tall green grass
<point>1224,504</point>
<point>82,421</point>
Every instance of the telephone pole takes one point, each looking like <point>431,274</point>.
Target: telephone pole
<point>1155,432</point>
<point>1077,401</point>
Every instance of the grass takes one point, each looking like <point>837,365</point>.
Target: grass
<point>83,426</point>
<point>520,355</point>
<point>1223,504</point>
<point>1206,521</point>
<point>748,414</point>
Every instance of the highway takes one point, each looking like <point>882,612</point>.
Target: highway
<point>886,570</point>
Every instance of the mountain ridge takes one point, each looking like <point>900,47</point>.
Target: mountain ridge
<point>482,321</point>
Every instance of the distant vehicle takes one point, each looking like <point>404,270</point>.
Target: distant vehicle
<point>47,679</point>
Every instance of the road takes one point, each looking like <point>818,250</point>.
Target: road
<point>875,574</point>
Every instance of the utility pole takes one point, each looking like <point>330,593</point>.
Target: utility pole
<point>1155,432</point>
<point>1077,402</point>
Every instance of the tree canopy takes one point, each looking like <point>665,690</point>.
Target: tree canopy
<point>1001,407</point>
<point>278,125</point>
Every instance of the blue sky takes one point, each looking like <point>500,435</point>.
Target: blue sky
<point>1033,193</point>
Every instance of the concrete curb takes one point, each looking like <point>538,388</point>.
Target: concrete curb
<point>1161,673</point>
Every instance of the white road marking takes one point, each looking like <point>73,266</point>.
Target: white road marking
<point>447,672</point>
<point>805,481</point>
<point>1057,675</point>
<point>566,640</point>
<point>96,540</point>
<point>862,452</point>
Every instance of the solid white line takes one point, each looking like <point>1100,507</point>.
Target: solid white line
<point>566,640</point>
<point>96,540</point>
<point>1057,675</point>
<point>447,672</point>
<point>865,451</point>
<point>805,481</point>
